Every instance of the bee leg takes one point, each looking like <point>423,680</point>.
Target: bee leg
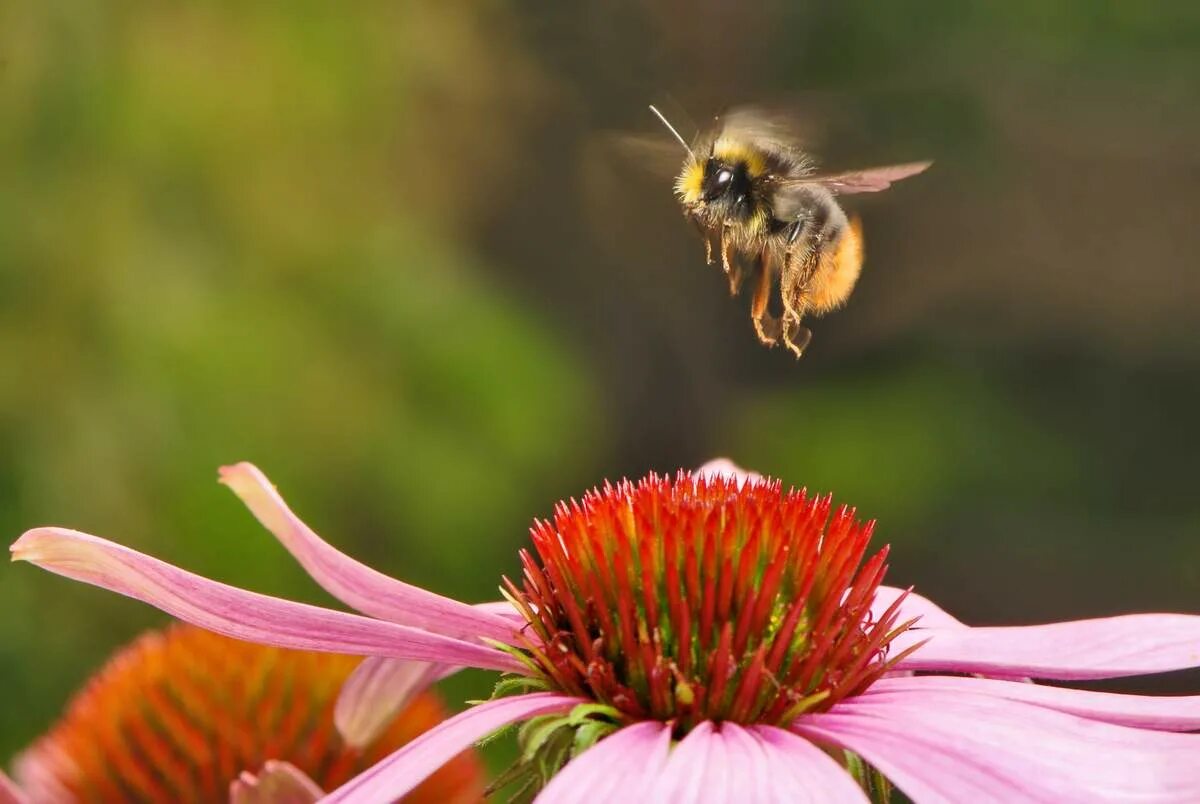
<point>733,271</point>
<point>768,330</point>
<point>794,230</point>
<point>794,289</point>
<point>796,336</point>
<point>735,280</point>
<point>791,287</point>
<point>708,246</point>
<point>765,325</point>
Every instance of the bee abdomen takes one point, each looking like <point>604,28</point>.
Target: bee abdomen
<point>839,264</point>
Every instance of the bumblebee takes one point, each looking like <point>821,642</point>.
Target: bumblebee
<point>762,207</point>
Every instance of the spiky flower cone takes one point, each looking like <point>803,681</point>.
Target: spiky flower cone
<point>705,599</point>
<point>178,714</point>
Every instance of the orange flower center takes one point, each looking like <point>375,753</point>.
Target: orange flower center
<point>705,599</point>
<point>178,714</point>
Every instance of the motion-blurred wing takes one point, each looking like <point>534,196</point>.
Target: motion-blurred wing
<point>871,180</point>
<point>758,123</point>
<point>657,154</point>
<point>771,130</point>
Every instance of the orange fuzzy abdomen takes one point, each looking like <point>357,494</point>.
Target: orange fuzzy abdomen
<point>840,266</point>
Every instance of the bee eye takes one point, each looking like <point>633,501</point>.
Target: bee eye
<point>718,179</point>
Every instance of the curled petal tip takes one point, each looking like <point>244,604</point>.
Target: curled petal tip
<point>352,582</point>
<point>254,489</point>
<point>32,543</point>
<point>242,470</point>
<point>277,783</point>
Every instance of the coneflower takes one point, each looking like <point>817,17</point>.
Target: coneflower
<point>184,714</point>
<point>710,637</point>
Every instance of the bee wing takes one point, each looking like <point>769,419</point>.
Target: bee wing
<point>659,155</point>
<point>655,153</point>
<point>772,129</point>
<point>871,180</point>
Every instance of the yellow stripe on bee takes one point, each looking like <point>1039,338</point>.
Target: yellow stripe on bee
<point>757,223</point>
<point>732,152</point>
<point>689,185</point>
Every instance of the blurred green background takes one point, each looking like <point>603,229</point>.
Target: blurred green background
<point>383,251</point>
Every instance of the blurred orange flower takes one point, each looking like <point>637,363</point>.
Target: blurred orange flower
<point>180,714</point>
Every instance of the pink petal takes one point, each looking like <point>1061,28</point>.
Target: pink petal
<point>37,771</point>
<point>236,612</point>
<point>9,792</point>
<point>729,763</point>
<point>751,775</point>
<point>1131,645</point>
<point>932,615</point>
<point>277,783</point>
<point>391,778</point>
<point>615,769</point>
<point>502,609</point>
<point>805,772</point>
<point>376,692</point>
<point>380,687</point>
<point>723,467</point>
<point>1161,712</point>
<point>954,746</point>
<point>351,581</point>
<point>695,771</point>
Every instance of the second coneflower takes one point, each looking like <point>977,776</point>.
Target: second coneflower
<point>185,714</point>
<point>710,637</point>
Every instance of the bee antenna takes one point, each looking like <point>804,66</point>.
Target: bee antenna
<point>671,129</point>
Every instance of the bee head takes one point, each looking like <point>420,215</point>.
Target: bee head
<point>716,183</point>
<point>724,181</point>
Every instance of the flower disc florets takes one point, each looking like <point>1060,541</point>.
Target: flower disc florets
<point>705,598</point>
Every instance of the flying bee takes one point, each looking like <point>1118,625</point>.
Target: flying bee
<point>756,196</point>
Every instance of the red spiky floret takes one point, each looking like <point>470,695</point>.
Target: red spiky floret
<point>705,598</point>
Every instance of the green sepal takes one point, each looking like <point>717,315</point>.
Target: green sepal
<point>496,735</point>
<point>518,685</point>
<point>515,652</point>
<point>589,734</point>
<point>874,784</point>
<point>536,732</point>
<point>549,742</point>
